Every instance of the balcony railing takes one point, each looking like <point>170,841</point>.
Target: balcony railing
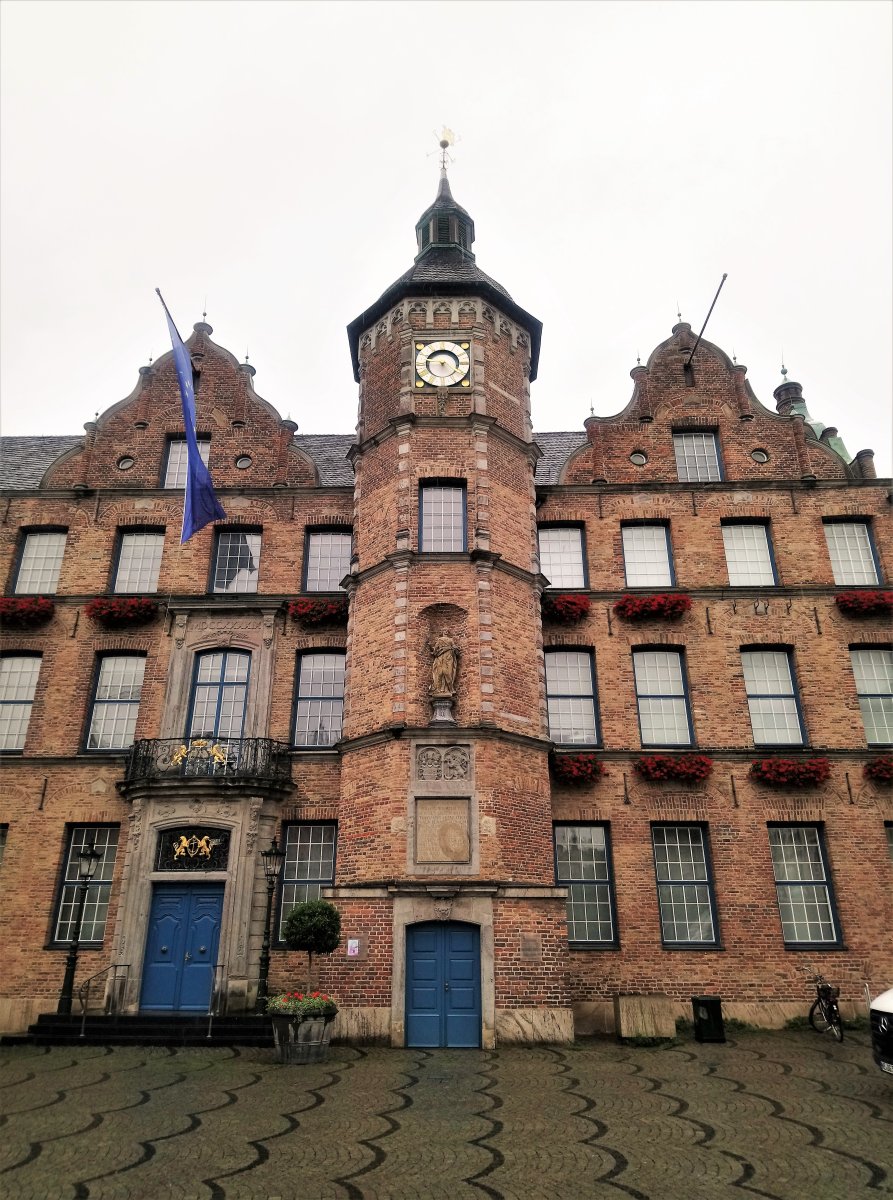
<point>203,758</point>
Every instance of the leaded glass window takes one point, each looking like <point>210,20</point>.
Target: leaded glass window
<point>684,886</point>
<point>320,699</point>
<point>441,517</point>
<point>309,864</point>
<point>583,866</point>
<point>103,838</point>
<point>801,885</point>
<point>697,457</point>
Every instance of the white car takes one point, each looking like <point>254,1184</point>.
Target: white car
<point>882,1030</point>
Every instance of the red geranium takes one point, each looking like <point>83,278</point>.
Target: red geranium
<point>322,611</point>
<point>880,769</point>
<point>119,611</point>
<point>25,612</point>
<point>665,605</point>
<point>864,604</point>
<point>791,772</point>
<point>686,768</point>
<point>565,607</point>
<point>583,767</point>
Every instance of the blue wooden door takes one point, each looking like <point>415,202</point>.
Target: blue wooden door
<point>181,947</point>
<point>443,985</point>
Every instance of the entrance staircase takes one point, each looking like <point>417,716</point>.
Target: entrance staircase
<point>148,1029</point>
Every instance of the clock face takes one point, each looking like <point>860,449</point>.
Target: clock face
<point>442,364</point>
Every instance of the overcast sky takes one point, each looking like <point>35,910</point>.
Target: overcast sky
<point>616,158</point>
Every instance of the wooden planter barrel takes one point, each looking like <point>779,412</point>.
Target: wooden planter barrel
<point>301,1041</point>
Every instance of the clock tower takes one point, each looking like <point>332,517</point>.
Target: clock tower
<point>445,861</point>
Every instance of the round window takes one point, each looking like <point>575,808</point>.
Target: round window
<point>244,461</point>
<point>638,458</point>
<point>759,455</point>
<point>125,462</point>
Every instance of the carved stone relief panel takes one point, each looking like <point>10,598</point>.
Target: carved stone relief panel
<point>442,828</point>
<point>443,762</point>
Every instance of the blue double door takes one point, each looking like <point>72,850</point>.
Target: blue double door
<point>181,947</point>
<point>443,985</point>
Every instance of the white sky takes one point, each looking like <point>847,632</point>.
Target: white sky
<point>616,158</point>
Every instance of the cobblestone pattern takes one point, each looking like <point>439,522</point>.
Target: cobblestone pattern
<point>783,1116</point>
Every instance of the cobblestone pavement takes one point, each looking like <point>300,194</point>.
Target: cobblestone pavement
<point>778,1115</point>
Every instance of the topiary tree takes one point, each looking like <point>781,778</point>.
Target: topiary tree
<point>314,926</point>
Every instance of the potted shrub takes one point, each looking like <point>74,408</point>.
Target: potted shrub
<point>25,612</point>
<point>791,772</point>
<point>302,1021</point>
<point>880,769</point>
<point>684,768</point>
<point>319,610</point>
<point>663,606</point>
<point>865,604</point>
<point>583,767</point>
<point>565,608</point>
<point>120,612</point>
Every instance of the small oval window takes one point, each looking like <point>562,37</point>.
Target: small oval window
<point>759,455</point>
<point>244,461</point>
<point>638,458</point>
<point>125,462</point>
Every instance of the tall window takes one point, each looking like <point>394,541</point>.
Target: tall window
<point>888,829</point>
<point>684,885</point>
<point>873,672</point>
<point>105,839</point>
<point>851,552</point>
<point>801,884</point>
<point>116,702</point>
<point>646,556</point>
<point>441,517</point>
<point>697,457</point>
<point>18,679</point>
<point>772,698</point>
<point>561,556</point>
<point>236,561</point>
<point>570,695</point>
<point>4,830</point>
<point>175,467</point>
<point>583,866</point>
<point>40,563</point>
<point>320,699</point>
<point>139,560</point>
<point>309,864</point>
<point>219,694</point>
<point>749,554</point>
<point>662,697</point>
<point>326,560</point>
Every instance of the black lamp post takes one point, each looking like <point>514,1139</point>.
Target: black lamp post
<point>88,860</point>
<point>272,860</point>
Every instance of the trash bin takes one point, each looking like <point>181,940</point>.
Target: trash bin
<point>707,1012</point>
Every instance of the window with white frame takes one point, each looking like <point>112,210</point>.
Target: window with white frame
<point>139,560</point>
<point>583,866</point>
<point>802,886</point>
<point>116,702</point>
<point>748,554</point>
<point>40,562</point>
<point>18,680</point>
<point>104,839</point>
<point>561,556</point>
<point>873,672</point>
<point>697,457</point>
<point>772,698</point>
<point>326,560</point>
<point>570,695</point>
<point>320,699</point>
<point>851,552</point>
<point>175,466</point>
<point>236,561</point>
<point>309,864</point>
<point>662,698</point>
<point>441,517</point>
<point>646,556</point>
<point>684,885</point>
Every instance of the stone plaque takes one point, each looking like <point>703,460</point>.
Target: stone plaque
<point>532,947</point>
<point>442,832</point>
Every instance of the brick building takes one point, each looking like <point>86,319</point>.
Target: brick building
<point>463,762</point>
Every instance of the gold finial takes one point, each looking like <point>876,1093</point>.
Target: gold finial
<point>678,312</point>
<point>784,370</point>
<point>445,139</point>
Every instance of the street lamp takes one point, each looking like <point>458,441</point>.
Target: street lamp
<point>88,860</point>
<point>272,860</point>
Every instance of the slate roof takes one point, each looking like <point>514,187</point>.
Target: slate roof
<point>25,460</point>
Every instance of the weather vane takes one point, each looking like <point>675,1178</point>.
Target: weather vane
<point>445,139</point>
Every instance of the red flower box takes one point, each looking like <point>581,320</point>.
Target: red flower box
<point>791,772</point>
<point>864,604</point>
<point>119,612</point>
<point>684,768</point>
<point>567,608</point>
<point>330,611</point>
<point>25,612</point>
<point>663,606</point>
<point>577,768</point>
<point>880,769</point>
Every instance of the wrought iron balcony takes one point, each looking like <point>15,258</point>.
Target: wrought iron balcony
<point>226,760</point>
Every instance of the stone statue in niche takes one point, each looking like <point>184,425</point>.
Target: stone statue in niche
<point>444,667</point>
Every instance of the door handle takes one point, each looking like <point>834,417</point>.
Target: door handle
<point>446,987</point>
<point>188,957</point>
<point>203,949</point>
<point>164,949</point>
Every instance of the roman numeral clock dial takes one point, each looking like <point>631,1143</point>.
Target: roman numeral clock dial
<point>442,364</point>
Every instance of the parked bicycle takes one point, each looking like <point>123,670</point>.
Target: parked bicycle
<point>824,1014</point>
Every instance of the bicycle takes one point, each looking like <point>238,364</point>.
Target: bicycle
<point>824,1014</point>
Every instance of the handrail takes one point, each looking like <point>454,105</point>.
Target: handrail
<point>112,993</point>
<point>218,990</point>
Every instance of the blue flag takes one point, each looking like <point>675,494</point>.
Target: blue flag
<point>200,506</point>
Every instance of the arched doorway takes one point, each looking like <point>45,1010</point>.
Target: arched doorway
<point>443,984</point>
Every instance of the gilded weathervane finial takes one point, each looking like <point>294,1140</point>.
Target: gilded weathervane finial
<point>445,139</point>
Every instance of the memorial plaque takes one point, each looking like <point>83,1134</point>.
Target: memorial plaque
<point>442,831</point>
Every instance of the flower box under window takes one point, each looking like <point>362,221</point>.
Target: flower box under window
<point>661,606</point>
<point>865,604</point>
<point>681,768</point>
<point>580,768</point>
<point>26,612</point>
<point>118,612</point>
<point>791,772</point>
<point>319,610</point>
<point>565,608</point>
<point>880,769</point>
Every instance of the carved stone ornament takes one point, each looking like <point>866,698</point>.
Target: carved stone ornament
<point>456,762</point>
<point>443,908</point>
<point>428,763</point>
